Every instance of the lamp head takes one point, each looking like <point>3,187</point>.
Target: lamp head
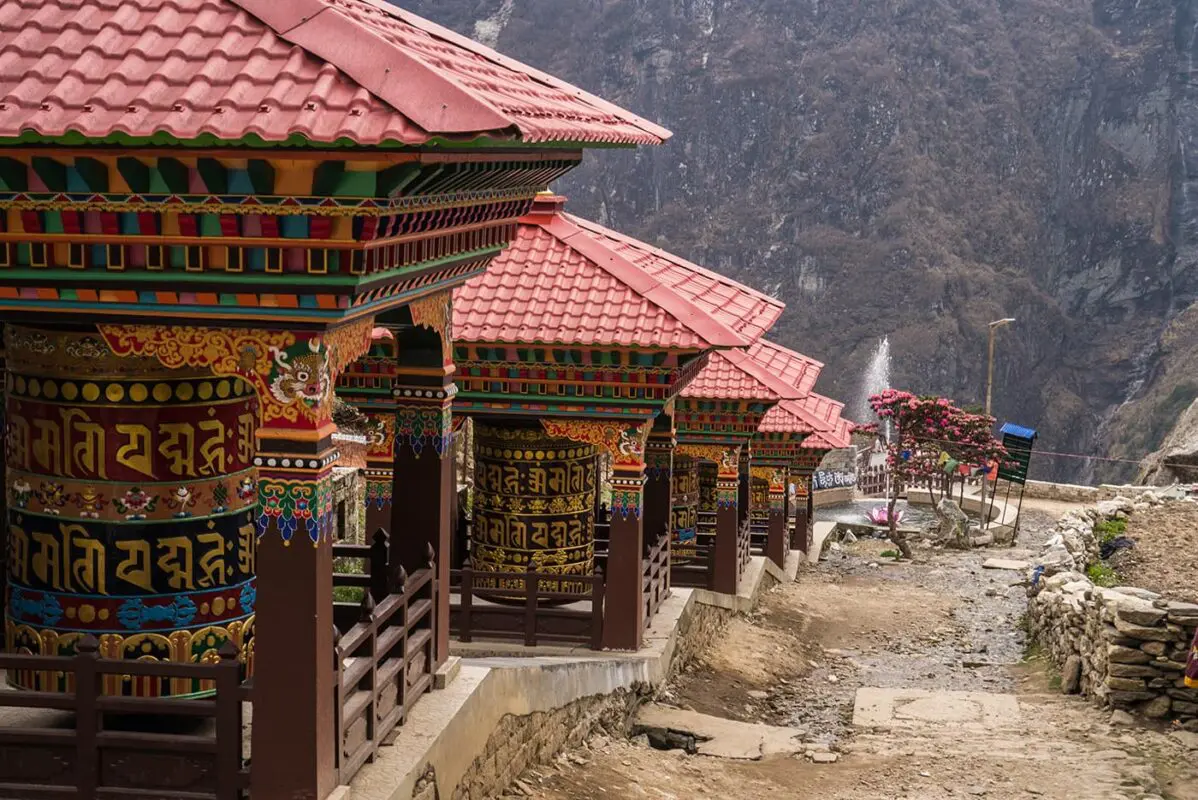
<point>998,323</point>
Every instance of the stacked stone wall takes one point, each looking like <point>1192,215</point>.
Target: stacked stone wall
<point>1122,647</point>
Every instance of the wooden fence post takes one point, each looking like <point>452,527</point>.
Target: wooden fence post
<point>338,706</point>
<point>87,717</point>
<point>401,690</point>
<point>379,577</point>
<point>228,723</point>
<point>467,590</point>
<point>597,615</point>
<point>367,617</point>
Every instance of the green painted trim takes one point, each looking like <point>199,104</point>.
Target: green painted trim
<point>295,141</point>
<point>58,276</point>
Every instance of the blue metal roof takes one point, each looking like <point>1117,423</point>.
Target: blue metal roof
<point>1011,429</point>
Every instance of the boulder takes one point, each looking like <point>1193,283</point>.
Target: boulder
<point>1071,675</point>
<point>954,524</point>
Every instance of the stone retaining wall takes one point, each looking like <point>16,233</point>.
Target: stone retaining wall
<point>831,497</point>
<point>1122,647</point>
<point>1073,493</point>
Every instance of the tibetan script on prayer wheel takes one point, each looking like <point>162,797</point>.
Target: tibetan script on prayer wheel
<point>685,506</point>
<point>759,496</point>
<point>131,495</point>
<point>534,504</point>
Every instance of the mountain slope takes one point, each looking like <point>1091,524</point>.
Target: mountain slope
<point>906,167</point>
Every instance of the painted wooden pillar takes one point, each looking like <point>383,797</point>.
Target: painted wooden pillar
<point>659,463</point>
<point>293,738</point>
<point>725,571</point>
<point>423,489</point>
<point>776,543</point>
<point>744,486</point>
<point>802,510</point>
<point>624,612</point>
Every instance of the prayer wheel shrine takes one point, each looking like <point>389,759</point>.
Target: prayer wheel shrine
<point>208,209</point>
<point>717,416</point>
<point>570,348</point>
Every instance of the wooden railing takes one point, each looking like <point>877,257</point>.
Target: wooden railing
<point>384,658</point>
<point>656,575</point>
<point>97,759</point>
<point>872,481</point>
<point>744,547</point>
<point>519,606</point>
<point>759,532</point>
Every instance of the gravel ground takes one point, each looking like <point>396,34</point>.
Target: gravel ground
<point>859,620</point>
<point>1165,556</point>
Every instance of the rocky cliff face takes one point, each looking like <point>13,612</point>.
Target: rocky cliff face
<point>913,168</point>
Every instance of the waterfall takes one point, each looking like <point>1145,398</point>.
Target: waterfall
<point>875,379</point>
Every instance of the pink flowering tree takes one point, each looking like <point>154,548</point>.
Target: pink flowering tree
<point>928,432</point>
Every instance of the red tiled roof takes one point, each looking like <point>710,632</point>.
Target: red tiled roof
<point>840,436</point>
<point>745,310</point>
<point>732,375</point>
<point>793,367</point>
<point>816,415</point>
<point>556,285</point>
<point>327,70</point>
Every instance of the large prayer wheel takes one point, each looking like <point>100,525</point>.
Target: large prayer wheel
<point>131,493</point>
<point>534,503</point>
<point>685,506</point>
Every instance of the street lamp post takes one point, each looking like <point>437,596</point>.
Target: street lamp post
<point>998,323</point>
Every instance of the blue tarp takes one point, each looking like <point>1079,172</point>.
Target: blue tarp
<point>1011,429</point>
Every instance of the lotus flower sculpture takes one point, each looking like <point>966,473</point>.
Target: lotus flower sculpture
<point>880,515</point>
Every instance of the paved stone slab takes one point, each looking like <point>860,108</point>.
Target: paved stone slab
<point>890,708</point>
<point>723,738</point>
<point>1004,563</point>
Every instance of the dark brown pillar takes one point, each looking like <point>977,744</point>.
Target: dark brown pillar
<point>423,493</point>
<point>659,463</point>
<point>725,571</point>
<point>776,543</point>
<point>744,502</point>
<point>293,735</point>
<point>801,512</point>
<point>624,596</point>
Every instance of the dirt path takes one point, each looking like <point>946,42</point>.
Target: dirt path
<point>858,620</point>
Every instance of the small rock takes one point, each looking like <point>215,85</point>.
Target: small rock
<point>976,791</point>
<point>1004,563</point>
<point>925,774</point>
<point>1119,717</point>
<point>758,694</point>
<point>525,789</point>
<point>1155,709</point>
<point>833,679</point>
<point>824,758</point>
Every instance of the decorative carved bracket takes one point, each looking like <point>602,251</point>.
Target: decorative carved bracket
<point>624,442</point>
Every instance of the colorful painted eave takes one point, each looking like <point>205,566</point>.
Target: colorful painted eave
<point>558,285</point>
<point>275,71</point>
